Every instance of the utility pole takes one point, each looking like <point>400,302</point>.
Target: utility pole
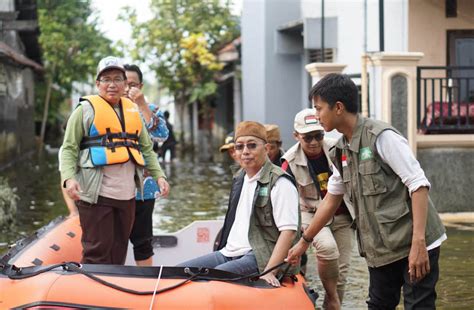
<point>381,27</point>
<point>322,32</point>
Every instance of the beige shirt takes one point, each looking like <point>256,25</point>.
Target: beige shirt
<point>118,181</point>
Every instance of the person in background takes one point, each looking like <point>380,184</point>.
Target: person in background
<point>228,147</point>
<point>308,162</point>
<point>105,148</point>
<point>142,232</point>
<point>170,143</point>
<point>399,231</point>
<point>274,140</point>
<point>262,219</point>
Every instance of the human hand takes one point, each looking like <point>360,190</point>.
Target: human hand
<point>136,95</point>
<point>294,254</point>
<point>73,189</point>
<point>164,186</point>
<point>418,261</point>
<point>271,279</point>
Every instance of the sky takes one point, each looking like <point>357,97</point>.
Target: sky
<point>115,29</point>
<point>112,27</point>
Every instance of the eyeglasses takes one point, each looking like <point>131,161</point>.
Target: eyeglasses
<point>250,146</point>
<point>309,138</point>
<point>117,81</point>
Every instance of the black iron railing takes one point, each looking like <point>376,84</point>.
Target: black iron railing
<point>445,99</point>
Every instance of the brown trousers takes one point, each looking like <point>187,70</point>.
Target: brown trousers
<point>106,228</point>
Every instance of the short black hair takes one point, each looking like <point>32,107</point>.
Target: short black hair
<point>166,114</point>
<point>136,69</point>
<point>337,87</point>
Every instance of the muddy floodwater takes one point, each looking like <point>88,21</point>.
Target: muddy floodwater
<point>200,191</point>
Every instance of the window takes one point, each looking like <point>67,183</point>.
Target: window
<point>451,7</point>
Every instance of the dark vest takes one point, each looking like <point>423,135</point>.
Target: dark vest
<point>382,203</point>
<point>263,233</point>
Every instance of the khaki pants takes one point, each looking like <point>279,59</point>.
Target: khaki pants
<point>334,241</point>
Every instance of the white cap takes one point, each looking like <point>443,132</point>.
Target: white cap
<point>305,121</point>
<point>108,63</point>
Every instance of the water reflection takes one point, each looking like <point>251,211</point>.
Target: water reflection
<point>200,191</point>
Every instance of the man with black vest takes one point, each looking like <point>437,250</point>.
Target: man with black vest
<point>262,220</point>
<point>399,231</point>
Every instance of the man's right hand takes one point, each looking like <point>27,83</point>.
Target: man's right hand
<point>294,254</point>
<point>136,95</point>
<point>73,189</point>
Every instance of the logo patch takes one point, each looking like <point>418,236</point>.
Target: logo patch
<point>263,191</point>
<point>365,153</point>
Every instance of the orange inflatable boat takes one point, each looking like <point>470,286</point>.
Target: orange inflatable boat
<point>39,273</point>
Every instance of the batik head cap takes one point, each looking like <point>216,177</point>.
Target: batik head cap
<point>249,128</point>
<point>273,133</point>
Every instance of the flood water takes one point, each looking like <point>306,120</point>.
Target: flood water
<point>200,191</point>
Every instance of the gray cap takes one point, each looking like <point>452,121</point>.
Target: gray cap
<point>109,63</point>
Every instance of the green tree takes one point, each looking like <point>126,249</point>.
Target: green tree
<point>71,46</point>
<point>180,42</point>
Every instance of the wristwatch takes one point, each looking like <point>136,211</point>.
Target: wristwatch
<point>306,239</point>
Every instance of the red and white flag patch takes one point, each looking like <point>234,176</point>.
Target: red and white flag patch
<point>344,160</point>
<point>310,119</point>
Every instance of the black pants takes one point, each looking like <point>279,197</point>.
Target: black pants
<point>106,228</point>
<point>386,282</point>
<point>142,231</point>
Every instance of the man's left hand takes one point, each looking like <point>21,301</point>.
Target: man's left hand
<point>164,187</point>
<point>418,261</point>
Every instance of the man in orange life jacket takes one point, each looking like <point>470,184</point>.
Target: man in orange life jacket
<point>105,148</point>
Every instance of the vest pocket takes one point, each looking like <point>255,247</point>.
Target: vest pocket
<point>395,225</point>
<point>263,212</point>
<point>373,182</point>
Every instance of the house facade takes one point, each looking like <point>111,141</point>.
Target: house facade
<point>19,66</point>
<point>414,64</point>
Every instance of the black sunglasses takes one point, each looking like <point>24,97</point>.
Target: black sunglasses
<point>318,137</point>
<point>250,146</point>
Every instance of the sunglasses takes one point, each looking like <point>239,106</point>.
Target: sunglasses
<point>309,138</point>
<point>250,146</point>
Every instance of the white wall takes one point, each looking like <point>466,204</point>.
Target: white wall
<point>350,17</point>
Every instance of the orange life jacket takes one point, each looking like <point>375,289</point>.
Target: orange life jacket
<point>113,140</point>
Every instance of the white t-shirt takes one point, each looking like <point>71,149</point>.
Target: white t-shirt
<point>284,197</point>
<point>395,152</point>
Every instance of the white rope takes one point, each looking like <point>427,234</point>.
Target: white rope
<point>156,287</point>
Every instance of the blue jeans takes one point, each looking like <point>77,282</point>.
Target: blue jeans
<point>243,265</point>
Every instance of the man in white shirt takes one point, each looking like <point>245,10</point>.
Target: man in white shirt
<point>399,231</point>
<point>262,220</point>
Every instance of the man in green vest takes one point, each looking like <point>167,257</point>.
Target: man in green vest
<point>399,231</point>
<point>262,220</point>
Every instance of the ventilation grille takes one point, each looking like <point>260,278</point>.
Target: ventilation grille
<point>317,55</point>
